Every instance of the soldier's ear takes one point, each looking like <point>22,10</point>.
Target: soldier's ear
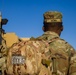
<point>62,28</point>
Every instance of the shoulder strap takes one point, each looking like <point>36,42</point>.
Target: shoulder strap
<point>53,39</point>
<point>54,72</point>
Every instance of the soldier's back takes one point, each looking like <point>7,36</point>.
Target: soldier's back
<point>62,52</point>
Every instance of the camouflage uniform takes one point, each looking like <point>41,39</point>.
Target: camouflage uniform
<point>60,48</point>
<point>3,50</point>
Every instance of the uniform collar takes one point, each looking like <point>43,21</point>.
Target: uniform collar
<point>51,33</point>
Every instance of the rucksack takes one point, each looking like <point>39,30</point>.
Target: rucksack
<point>25,58</point>
<point>35,57</point>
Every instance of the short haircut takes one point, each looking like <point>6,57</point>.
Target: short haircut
<point>52,26</point>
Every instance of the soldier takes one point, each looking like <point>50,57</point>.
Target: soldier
<point>3,48</point>
<point>52,29</point>
<point>45,55</point>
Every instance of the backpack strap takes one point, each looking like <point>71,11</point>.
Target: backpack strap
<point>53,58</point>
<point>69,54</point>
<point>54,68</point>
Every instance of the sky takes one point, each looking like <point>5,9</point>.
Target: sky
<point>25,17</point>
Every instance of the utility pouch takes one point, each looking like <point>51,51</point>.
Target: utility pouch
<point>54,66</point>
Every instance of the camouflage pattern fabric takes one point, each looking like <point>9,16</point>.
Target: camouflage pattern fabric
<point>52,16</point>
<point>3,48</point>
<point>2,65</point>
<point>73,65</point>
<point>34,59</point>
<point>3,55</point>
<point>66,62</point>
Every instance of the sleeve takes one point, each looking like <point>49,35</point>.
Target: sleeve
<point>72,68</point>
